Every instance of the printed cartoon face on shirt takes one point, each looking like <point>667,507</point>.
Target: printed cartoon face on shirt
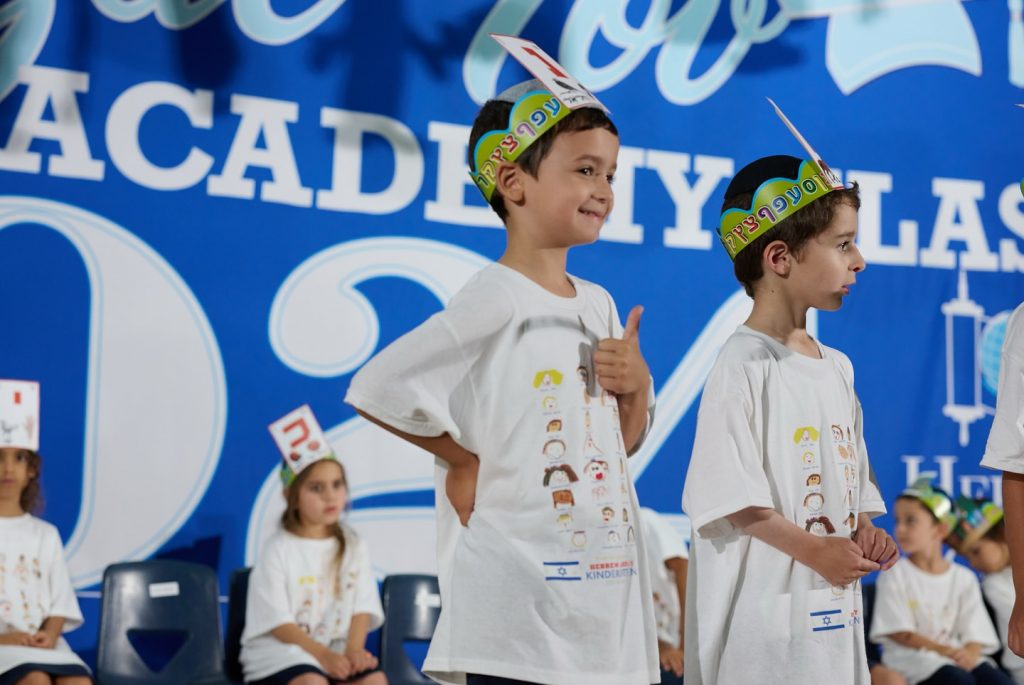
<point>596,470</point>
<point>549,403</point>
<point>813,480</point>
<point>814,502</point>
<point>559,476</point>
<point>554,449</point>
<point>563,499</point>
<point>820,526</point>
<point>607,514</point>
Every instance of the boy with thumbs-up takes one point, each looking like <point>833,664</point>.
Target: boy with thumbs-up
<point>779,490</point>
<point>532,395</point>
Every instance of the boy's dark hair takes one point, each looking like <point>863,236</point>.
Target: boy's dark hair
<point>494,116</point>
<point>997,533</point>
<point>795,230</point>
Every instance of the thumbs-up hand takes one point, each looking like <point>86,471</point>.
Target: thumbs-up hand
<point>619,365</point>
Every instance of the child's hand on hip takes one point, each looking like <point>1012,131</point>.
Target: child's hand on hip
<point>840,561</point>
<point>460,486</point>
<point>877,546</point>
<point>619,365</point>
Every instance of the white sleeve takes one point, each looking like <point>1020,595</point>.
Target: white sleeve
<point>726,472</point>
<point>891,612</point>
<point>367,600</point>
<point>267,606</point>
<point>63,602</point>
<point>871,502</point>
<point>410,383</point>
<point>973,620</point>
<point>1005,447</point>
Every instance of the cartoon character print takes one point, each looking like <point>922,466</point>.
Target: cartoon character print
<point>613,537</point>
<point>35,568</point>
<point>600,492</point>
<point>849,474</point>
<point>814,502</point>
<point>549,403</point>
<point>630,535</point>
<point>814,480</point>
<point>851,521</point>
<point>21,569</point>
<point>820,526</point>
<point>584,375</point>
<point>564,520</point>
<point>579,539</point>
<point>554,449</point>
<point>625,515</point>
<point>590,448</point>
<point>563,500</point>
<point>806,436</point>
<point>559,476</point>
<point>547,379</point>
<point>607,514</point>
<point>305,615</point>
<point>554,426</point>
<point>6,610</point>
<point>596,470</point>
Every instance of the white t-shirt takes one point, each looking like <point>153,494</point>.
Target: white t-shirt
<point>294,581</point>
<point>1005,448</point>
<point>662,543</point>
<point>945,607</point>
<point>34,585</point>
<point>545,584</point>
<point>780,430</point>
<point>998,590</point>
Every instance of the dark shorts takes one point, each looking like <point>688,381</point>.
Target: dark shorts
<point>18,672</point>
<point>282,677</point>
<point>474,679</point>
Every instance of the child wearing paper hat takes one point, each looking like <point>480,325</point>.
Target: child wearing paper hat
<point>542,578</point>
<point>37,600</point>
<point>980,537</point>
<point>929,616</point>
<point>312,593</point>
<point>779,487</point>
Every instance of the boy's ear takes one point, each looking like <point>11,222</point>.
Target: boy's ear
<point>778,258</point>
<point>509,182</point>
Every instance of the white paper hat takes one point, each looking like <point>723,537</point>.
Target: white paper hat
<point>301,441</point>
<point>19,414</point>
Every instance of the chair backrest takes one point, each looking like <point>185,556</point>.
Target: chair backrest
<point>154,599</point>
<point>412,604</point>
<point>237,596</point>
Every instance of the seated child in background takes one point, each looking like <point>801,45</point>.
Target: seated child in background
<point>667,561</point>
<point>37,600</point>
<point>980,537</point>
<point>312,594</point>
<point>929,616</point>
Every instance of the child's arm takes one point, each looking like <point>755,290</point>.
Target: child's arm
<point>672,657</point>
<point>621,369</point>
<point>914,640</point>
<point>463,465</point>
<point>1013,500</point>
<point>355,645</point>
<point>16,638</point>
<point>838,560</point>
<point>334,664</point>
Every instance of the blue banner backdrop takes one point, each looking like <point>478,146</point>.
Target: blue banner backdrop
<point>213,212</point>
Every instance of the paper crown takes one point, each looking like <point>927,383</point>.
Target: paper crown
<point>934,499</point>
<point>539,104</point>
<point>19,414</point>
<point>301,441</point>
<point>975,518</point>
<point>778,197</point>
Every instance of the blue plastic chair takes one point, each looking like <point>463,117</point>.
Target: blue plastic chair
<point>160,608</point>
<point>238,594</point>
<point>411,607</point>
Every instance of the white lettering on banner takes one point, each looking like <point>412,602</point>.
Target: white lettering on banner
<point>957,216</point>
<point>57,88</point>
<point>959,198</point>
<point>269,118</point>
<point>345,194</point>
<point>672,168</point>
<point>146,330</point>
<point>988,485</point>
<point>869,233</point>
<point>123,134</point>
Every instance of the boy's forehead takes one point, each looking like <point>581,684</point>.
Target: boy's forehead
<point>595,144</point>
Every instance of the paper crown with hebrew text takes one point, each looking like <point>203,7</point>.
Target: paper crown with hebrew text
<point>775,197</point>
<point>537,106</point>
<point>974,519</point>
<point>19,414</point>
<point>301,441</point>
<point>934,499</point>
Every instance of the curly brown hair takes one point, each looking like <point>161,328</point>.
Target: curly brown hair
<point>31,498</point>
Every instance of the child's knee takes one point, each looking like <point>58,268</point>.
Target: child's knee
<point>377,678</point>
<point>72,680</point>
<point>35,678</point>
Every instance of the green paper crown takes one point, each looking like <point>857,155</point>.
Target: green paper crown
<point>775,200</point>
<point>533,115</point>
<point>974,520</point>
<point>934,499</point>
